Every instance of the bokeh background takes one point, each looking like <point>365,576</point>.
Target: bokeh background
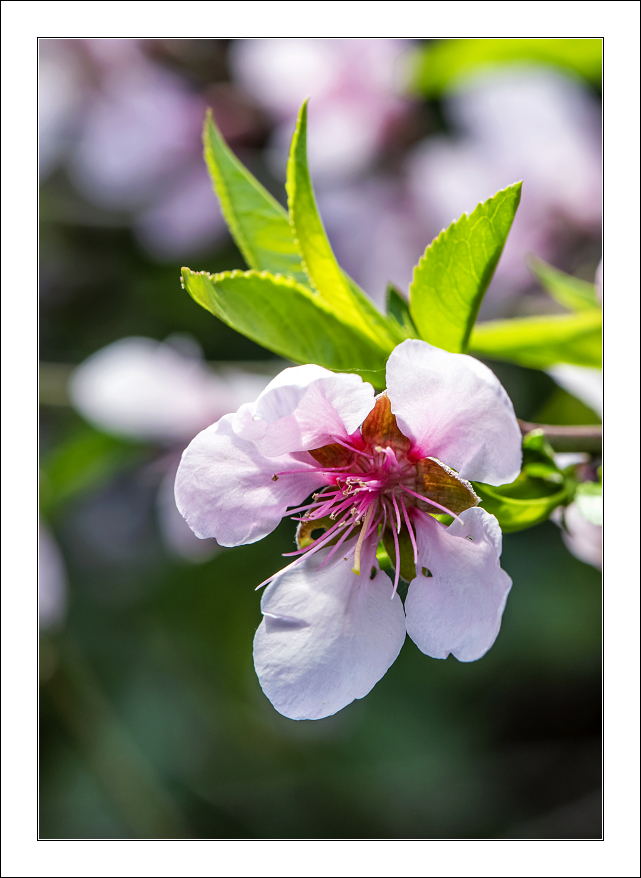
<point>153,724</point>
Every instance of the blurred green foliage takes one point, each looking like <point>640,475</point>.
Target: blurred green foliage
<point>440,66</point>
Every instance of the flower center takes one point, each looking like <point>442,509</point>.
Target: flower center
<point>374,481</point>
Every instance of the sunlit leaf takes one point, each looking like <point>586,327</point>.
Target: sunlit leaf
<point>259,225</point>
<point>572,293</point>
<point>451,278</point>
<point>539,342</point>
<point>334,287</point>
<point>288,319</point>
<point>443,66</point>
<point>515,512</point>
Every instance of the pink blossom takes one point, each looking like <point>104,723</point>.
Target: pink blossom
<point>376,468</point>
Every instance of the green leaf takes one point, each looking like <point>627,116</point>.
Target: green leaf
<point>589,500</point>
<point>450,280</point>
<point>538,458</point>
<point>384,560</point>
<point>398,308</point>
<point>539,342</point>
<point>540,487</point>
<point>335,289</point>
<point>572,293</point>
<point>288,319</point>
<point>259,225</point>
<point>516,512</point>
<point>444,66</point>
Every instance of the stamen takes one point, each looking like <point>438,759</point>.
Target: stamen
<point>338,544</point>
<point>409,527</point>
<point>433,503</point>
<point>398,514</point>
<point>328,535</point>
<point>398,563</point>
<point>359,545</point>
<point>355,450</point>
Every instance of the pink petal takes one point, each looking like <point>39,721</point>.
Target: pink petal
<point>327,636</point>
<point>303,408</point>
<point>225,487</point>
<point>454,408</point>
<point>458,609</point>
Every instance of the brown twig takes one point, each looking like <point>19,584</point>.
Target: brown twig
<point>584,438</point>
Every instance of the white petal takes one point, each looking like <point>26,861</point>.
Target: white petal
<point>327,637</point>
<point>303,408</point>
<point>225,487</point>
<point>458,609</point>
<point>454,408</point>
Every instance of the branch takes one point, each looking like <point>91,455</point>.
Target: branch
<point>585,438</point>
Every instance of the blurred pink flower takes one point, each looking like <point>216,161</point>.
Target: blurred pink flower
<point>353,85</point>
<point>524,124</point>
<point>61,95</point>
<point>328,632</point>
<point>141,122</point>
<point>374,233</point>
<point>129,131</point>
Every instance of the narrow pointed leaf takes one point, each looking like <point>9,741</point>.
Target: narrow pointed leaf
<point>572,293</point>
<point>258,224</point>
<point>539,342</point>
<point>288,319</point>
<point>451,278</point>
<point>398,308</point>
<point>337,290</point>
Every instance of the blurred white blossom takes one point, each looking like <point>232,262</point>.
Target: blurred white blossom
<point>154,391</point>
<point>582,538</point>
<point>52,581</point>
<point>161,392</point>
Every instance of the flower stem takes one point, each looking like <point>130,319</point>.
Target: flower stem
<point>582,438</point>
